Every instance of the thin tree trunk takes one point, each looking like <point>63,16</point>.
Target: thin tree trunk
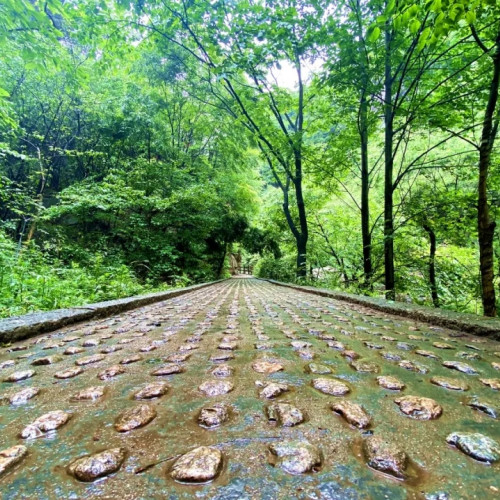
<point>389,165</point>
<point>365,191</point>
<point>432,265</point>
<point>485,225</point>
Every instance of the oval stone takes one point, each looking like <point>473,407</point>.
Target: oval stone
<point>213,416</point>
<point>461,367</point>
<point>89,394</point>
<point>353,413</point>
<point>21,375</point>
<point>267,367</point>
<point>392,383</point>
<point>197,466</point>
<point>170,369</point>
<point>23,396</point>
<point>72,372</point>
<point>284,414</point>
<point>476,445</point>
<point>11,456</point>
<point>385,457</point>
<point>295,457</point>
<point>97,465</point>
<point>48,422</point>
<point>111,372</point>
<point>419,408</point>
<point>330,386</point>
<point>216,387</point>
<point>450,383</point>
<point>134,418</point>
<point>154,390</point>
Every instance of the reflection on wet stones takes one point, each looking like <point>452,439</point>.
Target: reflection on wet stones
<point>23,396</point>
<point>48,422</point>
<point>136,417</point>
<point>365,366</point>
<point>295,457</point>
<point>89,394</point>
<point>427,354</point>
<point>11,456</point>
<point>213,416</point>
<point>216,387</point>
<point>267,367</point>
<point>20,375</point>
<point>153,390</point>
<point>413,367</point>
<point>88,360</point>
<point>169,369</point>
<point>484,406</point>
<point>97,465</point>
<point>284,414</point>
<point>476,445</point>
<point>494,383</point>
<point>392,383</point>
<point>111,372</point>
<point>353,413</point>
<point>197,466</point>
<point>223,371</point>
<point>131,359</point>
<point>219,358</point>
<point>385,457</point>
<point>330,386</point>
<point>272,390</point>
<point>70,373</point>
<point>48,360</point>
<point>178,358</point>
<point>318,369</point>
<point>419,408</point>
<point>73,350</point>
<point>450,383</point>
<point>461,367</point>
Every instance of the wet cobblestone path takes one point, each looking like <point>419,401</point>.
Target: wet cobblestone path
<point>248,390</point>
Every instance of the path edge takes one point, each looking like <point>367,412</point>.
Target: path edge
<point>28,325</point>
<point>469,323</point>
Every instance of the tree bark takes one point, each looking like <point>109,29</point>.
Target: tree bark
<point>389,166</point>
<point>432,264</point>
<point>365,190</point>
<point>485,225</point>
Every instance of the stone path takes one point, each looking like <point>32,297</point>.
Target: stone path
<point>248,390</point>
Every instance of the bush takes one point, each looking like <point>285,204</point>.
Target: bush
<point>282,269</point>
<point>31,281</point>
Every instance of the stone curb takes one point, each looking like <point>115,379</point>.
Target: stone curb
<point>29,325</point>
<point>470,323</point>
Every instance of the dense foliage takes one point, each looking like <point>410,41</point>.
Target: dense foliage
<point>347,144</point>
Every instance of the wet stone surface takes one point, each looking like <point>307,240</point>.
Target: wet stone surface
<point>97,465</point>
<point>476,445</point>
<point>385,457</point>
<point>353,413</point>
<point>213,416</point>
<point>295,457</point>
<point>11,456</point>
<point>285,414</point>
<point>419,408</point>
<point>326,427</point>
<point>198,466</point>
<point>133,418</point>
<point>330,386</point>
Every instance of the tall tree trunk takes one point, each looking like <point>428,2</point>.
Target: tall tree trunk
<point>432,264</point>
<point>303,235</point>
<point>389,166</point>
<point>485,225</point>
<point>365,190</point>
<point>297,181</point>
